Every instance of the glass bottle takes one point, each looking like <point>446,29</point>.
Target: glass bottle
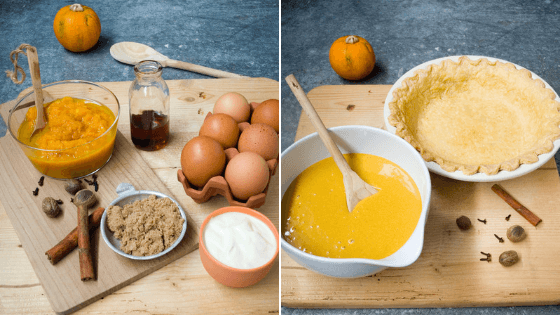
<point>149,107</point>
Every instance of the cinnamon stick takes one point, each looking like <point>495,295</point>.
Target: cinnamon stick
<point>86,261</point>
<point>70,242</point>
<point>526,213</point>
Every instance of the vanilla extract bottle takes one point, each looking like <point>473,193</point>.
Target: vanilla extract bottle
<point>149,107</point>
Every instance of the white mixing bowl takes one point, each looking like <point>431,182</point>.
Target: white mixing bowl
<point>358,139</point>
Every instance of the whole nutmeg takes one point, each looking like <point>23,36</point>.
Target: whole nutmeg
<point>51,207</point>
<point>509,258</point>
<point>516,233</point>
<point>463,223</point>
<point>72,186</point>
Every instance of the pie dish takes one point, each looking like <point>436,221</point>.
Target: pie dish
<point>475,115</point>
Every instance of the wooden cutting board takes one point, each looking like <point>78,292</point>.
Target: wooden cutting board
<point>449,272</point>
<point>190,101</point>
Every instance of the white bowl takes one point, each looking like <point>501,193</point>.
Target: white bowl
<point>359,139</point>
<point>478,177</point>
<point>127,195</point>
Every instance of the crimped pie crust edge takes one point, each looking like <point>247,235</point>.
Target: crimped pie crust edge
<point>396,119</point>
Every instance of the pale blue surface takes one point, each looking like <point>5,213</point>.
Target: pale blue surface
<point>404,34</point>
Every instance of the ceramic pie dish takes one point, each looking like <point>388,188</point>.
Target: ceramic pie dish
<point>476,118</point>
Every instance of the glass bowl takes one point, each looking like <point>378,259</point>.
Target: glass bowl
<point>80,160</point>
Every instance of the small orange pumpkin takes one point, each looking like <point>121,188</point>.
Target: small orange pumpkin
<point>77,27</point>
<point>352,57</point>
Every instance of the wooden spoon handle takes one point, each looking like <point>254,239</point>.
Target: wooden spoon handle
<point>33,61</point>
<point>318,124</point>
<point>201,69</point>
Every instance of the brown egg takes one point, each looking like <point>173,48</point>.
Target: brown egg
<point>247,174</point>
<point>235,105</point>
<point>261,139</point>
<point>201,159</point>
<point>268,113</point>
<point>222,128</point>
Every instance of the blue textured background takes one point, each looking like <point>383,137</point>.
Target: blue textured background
<point>239,36</point>
<point>404,34</point>
<point>236,36</point>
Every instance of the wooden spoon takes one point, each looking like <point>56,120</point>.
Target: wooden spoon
<point>33,61</point>
<point>132,53</point>
<point>83,200</point>
<point>355,188</point>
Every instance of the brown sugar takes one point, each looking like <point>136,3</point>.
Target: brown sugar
<point>146,227</point>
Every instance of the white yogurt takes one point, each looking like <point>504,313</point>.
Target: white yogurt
<point>239,240</point>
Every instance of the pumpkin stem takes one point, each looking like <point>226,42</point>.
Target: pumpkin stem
<point>352,39</point>
<point>76,7</point>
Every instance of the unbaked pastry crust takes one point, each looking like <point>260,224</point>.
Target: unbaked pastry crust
<point>476,115</point>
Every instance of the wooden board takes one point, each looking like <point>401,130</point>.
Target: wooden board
<point>190,101</point>
<point>448,272</point>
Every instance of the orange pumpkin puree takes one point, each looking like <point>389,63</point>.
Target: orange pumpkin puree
<point>315,217</point>
<point>72,125</point>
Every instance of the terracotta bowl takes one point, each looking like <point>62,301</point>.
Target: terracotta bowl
<point>229,276</point>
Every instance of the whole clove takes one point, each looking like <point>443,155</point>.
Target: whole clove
<point>483,221</point>
<point>59,201</point>
<point>93,182</point>
<point>488,257</point>
<point>41,180</point>
<point>499,238</point>
<point>507,218</point>
<point>36,191</point>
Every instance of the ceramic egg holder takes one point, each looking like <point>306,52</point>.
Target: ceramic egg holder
<point>218,185</point>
